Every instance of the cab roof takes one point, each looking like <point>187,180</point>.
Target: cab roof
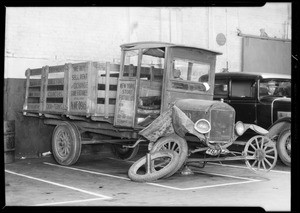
<point>158,44</point>
<point>253,75</point>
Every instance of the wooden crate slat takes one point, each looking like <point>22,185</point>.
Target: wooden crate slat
<point>33,106</point>
<point>54,107</point>
<point>57,69</point>
<point>56,81</point>
<point>35,71</point>
<point>55,94</point>
<point>112,80</point>
<point>34,94</point>
<point>101,109</point>
<point>111,94</point>
<point>35,82</point>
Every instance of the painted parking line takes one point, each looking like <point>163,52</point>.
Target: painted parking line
<point>245,167</point>
<point>87,171</point>
<point>248,180</point>
<point>69,202</point>
<point>99,196</point>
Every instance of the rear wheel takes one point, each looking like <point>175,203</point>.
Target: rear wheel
<point>161,164</point>
<point>66,144</point>
<point>283,146</point>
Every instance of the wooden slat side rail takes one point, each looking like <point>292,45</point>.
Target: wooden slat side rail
<point>25,105</point>
<point>54,91</point>
<point>44,88</point>
<point>107,90</point>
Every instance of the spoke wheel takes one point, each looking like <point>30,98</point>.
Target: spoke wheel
<point>284,146</point>
<point>264,152</point>
<point>161,164</point>
<point>173,143</point>
<point>66,144</point>
<point>124,153</point>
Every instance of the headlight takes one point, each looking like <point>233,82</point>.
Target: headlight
<point>202,126</point>
<point>239,128</point>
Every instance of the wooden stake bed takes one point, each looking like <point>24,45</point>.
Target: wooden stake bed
<point>78,91</point>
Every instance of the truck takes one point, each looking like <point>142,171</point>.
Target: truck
<point>153,96</point>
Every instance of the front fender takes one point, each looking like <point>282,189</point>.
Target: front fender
<point>276,128</point>
<point>256,129</point>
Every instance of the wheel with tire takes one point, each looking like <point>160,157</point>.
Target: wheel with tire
<point>124,153</point>
<point>161,164</point>
<point>283,146</point>
<point>174,143</point>
<point>66,143</point>
<point>260,153</point>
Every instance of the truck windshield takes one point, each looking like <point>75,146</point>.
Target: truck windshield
<point>275,87</point>
<point>187,75</point>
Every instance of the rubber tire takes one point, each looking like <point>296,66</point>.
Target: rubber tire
<point>182,145</point>
<point>280,145</point>
<point>132,172</point>
<point>75,144</point>
<point>127,155</point>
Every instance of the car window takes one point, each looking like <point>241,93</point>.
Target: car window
<point>242,89</point>
<point>275,87</point>
<point>221,88</point>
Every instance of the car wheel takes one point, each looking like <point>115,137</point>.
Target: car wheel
<point>161,164</point>
<point>66,144</point>
<point>283,146</point>
<point>174,143</point>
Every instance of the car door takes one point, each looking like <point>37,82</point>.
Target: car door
<point>242,97</point>
<point>221,89</point>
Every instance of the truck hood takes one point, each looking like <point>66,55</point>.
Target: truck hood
<point>200,105</point>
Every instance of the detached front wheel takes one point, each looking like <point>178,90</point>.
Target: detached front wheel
<point>66,143</point>
<point>174,143</point>
<point>161,163</point>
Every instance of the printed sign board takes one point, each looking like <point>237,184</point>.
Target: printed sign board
<point>79,88</point>
<point>125,107</point>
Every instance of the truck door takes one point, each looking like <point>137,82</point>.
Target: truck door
<point>140,87</point>
<point>127,89</point>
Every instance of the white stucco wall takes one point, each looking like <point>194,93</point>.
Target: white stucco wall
<point>37,36</point>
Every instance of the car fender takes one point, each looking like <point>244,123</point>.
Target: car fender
<point>276,128</point>
<point>256,129</point>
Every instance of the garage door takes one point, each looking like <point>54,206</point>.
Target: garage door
<point>266,55</point>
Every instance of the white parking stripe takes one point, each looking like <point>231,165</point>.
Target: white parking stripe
<point>165,186</point>
<point>61,185</point>
<point>67,202</point>
<point>88,171</point>
<point>230,176</point>
<point>218,185</point>
<point>245,167</point>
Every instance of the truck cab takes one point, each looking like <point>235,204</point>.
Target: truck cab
<point>154,75</point>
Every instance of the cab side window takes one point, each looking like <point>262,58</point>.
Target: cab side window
<point>242,89</point>
<point>221,88</point>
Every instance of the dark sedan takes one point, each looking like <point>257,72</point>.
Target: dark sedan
<point>260,98</point>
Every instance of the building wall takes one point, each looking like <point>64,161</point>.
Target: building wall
<point>32,136</point>
<point>37,36</point>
